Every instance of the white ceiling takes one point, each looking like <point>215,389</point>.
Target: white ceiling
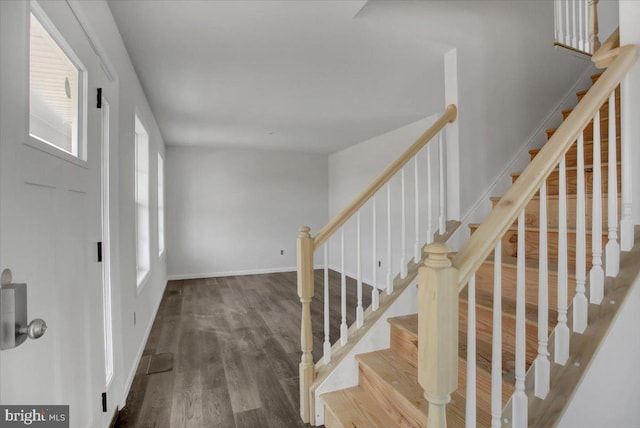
<point>297,75</point>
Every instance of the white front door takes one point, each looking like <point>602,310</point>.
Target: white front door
<point>50,207</point>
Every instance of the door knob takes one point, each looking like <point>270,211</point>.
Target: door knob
<point>14,329</point>
<point>35,329</point>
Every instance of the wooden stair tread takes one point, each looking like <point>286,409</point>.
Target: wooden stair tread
<point>509,308</point>
<point>407,322</point>
<point>397,374</point>
<point>589,128</point>
<point>409,325</point>
<point>554,197</point>
<point>573,168</point>
<point>530,264</point>
<point>353,407</point>
<point>528,228</point>
<point>604,142</point>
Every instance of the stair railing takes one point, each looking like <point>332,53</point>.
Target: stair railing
<point>576,25</point>
<point>441,280</point>
<point>426,209</point>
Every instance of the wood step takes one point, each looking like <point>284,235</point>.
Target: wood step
<point>553,180</point>
<point>484,286</point>
<point>588,131</point>
<point>353,407</point>
<point>581,94</point>
<point>604,110</point>
<point>532,210</point>
<point>571,157</point>
<point>404,341</point>
<point>595,77</point>
<point>509,307</point>
<point>510,243</point>
<point>484,332</point>
<point>387,376</point>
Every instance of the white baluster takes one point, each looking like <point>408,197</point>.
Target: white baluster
<point>344,330</point>
<point>470,411</point>
<point>574,39</point>
<point>580,302</point>
<point>581,25</point>
<point>429,199</point>
<point>542,365</point>
<point>389,260</point>
<point>327,341</point>
<point>403,228</point>
<point>496,344</point>
<point>587,41</point>
<point>596,276</point>
<point>416,248</point>
<point>375,296</point>
<point>359,310</point>
<point>567,34</point>
<point>559,22</point>
<point>612,249</point>
<point>442,218</point>
<point>626,223</point>
<point>519,399</point>
<point>562,330</point>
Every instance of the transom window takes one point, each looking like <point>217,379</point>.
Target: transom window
<point>55,89</point>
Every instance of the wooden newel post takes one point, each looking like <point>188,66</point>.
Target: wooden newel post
<point>305,292</point>
<point>594,41</point>
<point>437,332</point>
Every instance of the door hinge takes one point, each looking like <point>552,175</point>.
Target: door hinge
<point>99,252</point>
<point>104,402</point>
<point>99,103</point>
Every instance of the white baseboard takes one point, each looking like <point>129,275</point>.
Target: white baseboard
<point>234,273</point>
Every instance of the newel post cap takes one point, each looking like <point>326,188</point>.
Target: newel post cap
<point>304,231</point>
<point>437,255</point>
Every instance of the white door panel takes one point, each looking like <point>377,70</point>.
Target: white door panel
<point>49,227</point>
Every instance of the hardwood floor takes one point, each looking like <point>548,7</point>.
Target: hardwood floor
<point>236,348</point>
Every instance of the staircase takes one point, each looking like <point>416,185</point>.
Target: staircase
<point>389,395</point>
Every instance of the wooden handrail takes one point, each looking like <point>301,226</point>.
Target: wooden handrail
<point>449,115</point>
<point>608,51</point>
<point>485,238</point>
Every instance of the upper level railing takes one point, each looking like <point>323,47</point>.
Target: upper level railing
<point>441,281</point>
<point>384,229</point>
<point>576,25</point>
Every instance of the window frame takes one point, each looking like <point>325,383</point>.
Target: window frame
<point>143,270</point>
<point>161,207</point>
<point>79,158</point>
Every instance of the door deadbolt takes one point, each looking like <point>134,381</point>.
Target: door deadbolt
<point>14,328</point>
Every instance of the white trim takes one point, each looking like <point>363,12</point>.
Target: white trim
<point>97,47</point>
<point>143,344</point>
<point>53,150</point>
<point>236,273</point>
<point>557,109</point>
<point>142,282</point>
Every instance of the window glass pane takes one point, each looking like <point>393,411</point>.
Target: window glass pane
<point>160,204</point>
<point>142,201</point>
<point>53,92</point>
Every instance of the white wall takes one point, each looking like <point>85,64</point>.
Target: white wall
<point>352,170</point>
<point>608,18</point>
<point>608,395</point>
<point>233,211</point>
<point>127,99</point>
